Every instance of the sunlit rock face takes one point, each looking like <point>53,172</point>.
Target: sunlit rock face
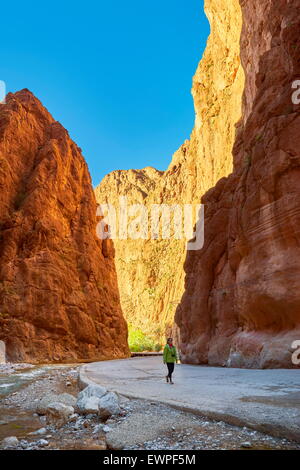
<point>150,272</point>
<point>59,297</point>
<point>241,305</point>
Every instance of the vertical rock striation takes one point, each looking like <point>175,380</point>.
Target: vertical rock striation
<point>59,297</point>
<point>150,272</point>
<point>241,305</point>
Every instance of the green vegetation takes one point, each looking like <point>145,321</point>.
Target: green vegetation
<point>139,341</point>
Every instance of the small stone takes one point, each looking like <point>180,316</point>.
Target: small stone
<point>73,417</point>
<point>246,445</point>
<point>106,429</point>
<point>40,432</point>
<point>42,443</point>
<point>24,444</point>
<point>98,428</point>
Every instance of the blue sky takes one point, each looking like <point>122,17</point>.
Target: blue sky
<point>117,74</point>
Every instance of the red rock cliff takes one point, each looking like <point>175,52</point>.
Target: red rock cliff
<point>241,305</point>
<point>150,272</point>
<point>59,297</point>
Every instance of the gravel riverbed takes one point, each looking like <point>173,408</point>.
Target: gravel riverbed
<point>141,424</point>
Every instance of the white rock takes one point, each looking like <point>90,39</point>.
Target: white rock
<point>64,398</point>
<point>88,399</point>
<point>24,444</point>
<point>106,429</point>
<point>11,441</point>
<point>98,428</point>
<point>246,445</point>
<point>39,432</point>
<point>59,414</point>
<point>79,424</point>
<point>109,405</point>
<point>42,443</point>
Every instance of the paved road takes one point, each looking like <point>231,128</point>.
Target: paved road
<point>266,400</point>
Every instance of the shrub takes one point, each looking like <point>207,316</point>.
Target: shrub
<point>138,341</point>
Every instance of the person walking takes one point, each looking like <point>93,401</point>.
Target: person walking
<point>170,356</point>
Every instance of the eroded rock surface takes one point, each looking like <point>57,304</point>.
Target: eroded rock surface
<point>150,272</point>
<point>241,305</point>
<point>59,297</point>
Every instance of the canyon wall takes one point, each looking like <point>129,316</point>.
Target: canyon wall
<point>150,272</point>
<point>59,297</point>
<point>241,305</point>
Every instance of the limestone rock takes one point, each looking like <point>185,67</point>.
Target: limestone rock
<point>63,398</point>
<point>38,432</point>
<point>9,442</point>
<point>109,405</point>
<point>59,414</point>
<point>59,297</point>
<point>88,399</point>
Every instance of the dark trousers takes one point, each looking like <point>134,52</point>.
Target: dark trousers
<point>170,366</point>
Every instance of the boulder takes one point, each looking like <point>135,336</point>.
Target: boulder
<point>88,399</point>
<point>10,441</point>
<point>109,405</point>
<point>64,398</point>
<point>59,414</point>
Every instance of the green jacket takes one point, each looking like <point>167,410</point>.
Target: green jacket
<point>170,354</point>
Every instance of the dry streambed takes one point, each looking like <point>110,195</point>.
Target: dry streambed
<point>51,412</point>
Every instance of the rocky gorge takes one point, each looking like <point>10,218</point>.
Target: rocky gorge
<point>150,272</point>
<point>66,296</point>
<point>234,302</point>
